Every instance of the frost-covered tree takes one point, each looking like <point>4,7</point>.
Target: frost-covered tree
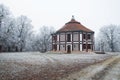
<point>9,34</point>
<point>16,34</point>
<point>23,31</point>
<point>42,42</point>
<point>108,38</point>
<point>5,26</point>
<point>4,12</point>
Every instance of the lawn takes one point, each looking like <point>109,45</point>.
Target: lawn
<point>44,66</point>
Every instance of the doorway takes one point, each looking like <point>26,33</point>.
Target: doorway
<point>68,49</point>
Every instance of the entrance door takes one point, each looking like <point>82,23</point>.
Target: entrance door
<point>68,49</point>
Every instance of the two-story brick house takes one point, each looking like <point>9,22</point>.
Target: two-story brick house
<point>73,37</point>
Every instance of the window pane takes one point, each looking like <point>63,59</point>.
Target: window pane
<point>68,37</point>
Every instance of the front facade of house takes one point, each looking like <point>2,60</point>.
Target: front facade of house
<point>73,37</point>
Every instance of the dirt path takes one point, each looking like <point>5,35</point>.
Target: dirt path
<point>114,73</point>
<point>107,70</point>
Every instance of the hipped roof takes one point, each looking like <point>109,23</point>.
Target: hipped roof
<point>74,25</point>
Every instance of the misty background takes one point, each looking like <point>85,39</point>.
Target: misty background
<point>23,21</point>
<point>91,13</point>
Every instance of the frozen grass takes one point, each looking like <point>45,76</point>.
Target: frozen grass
<point>107,70</point>
<point>113,72</point>
<point>42,66</point>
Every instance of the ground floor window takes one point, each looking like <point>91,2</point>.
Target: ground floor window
<point>89,46</point>
<point>84,46</point>
<point>55,47</point>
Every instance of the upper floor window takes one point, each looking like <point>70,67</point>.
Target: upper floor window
<point>68,37</point>
<point>55,38</point>
<point>89,36</point>
<point>84,36</point>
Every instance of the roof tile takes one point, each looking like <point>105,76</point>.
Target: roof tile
<point>74,25</point>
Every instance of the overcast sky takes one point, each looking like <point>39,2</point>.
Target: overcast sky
<point>91,13</point>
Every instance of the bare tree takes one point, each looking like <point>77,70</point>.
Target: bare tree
<point>4,29</point>
<point>4,12</point>
<point>108,36</point>
<point>24,30</point>
<point>43,39</point>
<point>9,34</point>
<point>16,34</point>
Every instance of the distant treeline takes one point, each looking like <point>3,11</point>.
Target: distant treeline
<point>17,34</point>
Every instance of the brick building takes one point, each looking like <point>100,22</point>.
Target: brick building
<point>73,37</point>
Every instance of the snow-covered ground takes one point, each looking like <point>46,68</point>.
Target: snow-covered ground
<point>42,66</point>
<point>107,70</point>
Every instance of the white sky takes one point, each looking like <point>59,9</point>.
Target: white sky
<point>91,13</point>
